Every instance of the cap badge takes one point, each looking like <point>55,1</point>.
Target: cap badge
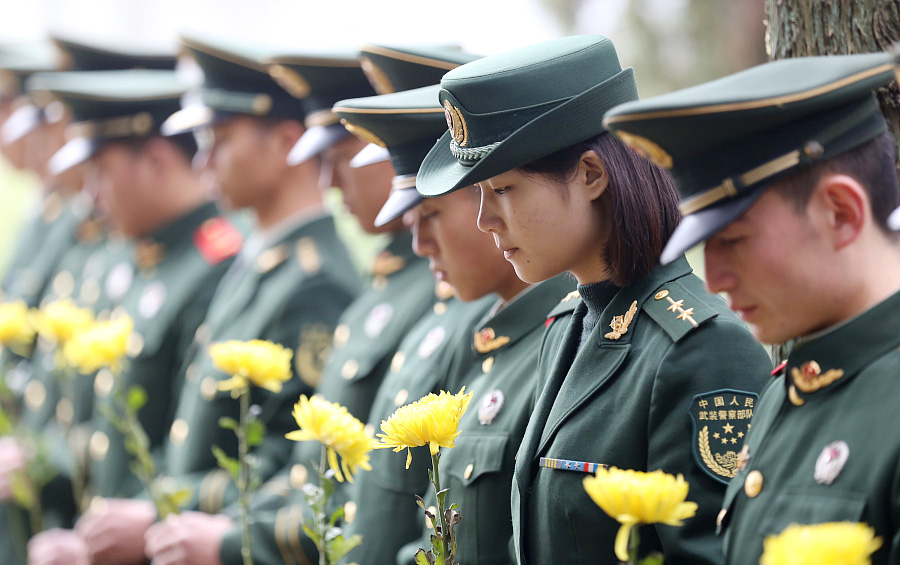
<point>620,324</point>
<point>456,123</point>
<point>646,148</point>
<point>490,406</point>
<point>831,462</point>
<point>486,341</point>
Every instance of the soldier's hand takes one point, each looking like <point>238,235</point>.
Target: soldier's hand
<point>12,459</point>
<point>114,532</point>
<point>57,547</point>
<point>193,538</point>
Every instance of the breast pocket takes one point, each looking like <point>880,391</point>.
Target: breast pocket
<point>475,455</point>
<point>812,508</point>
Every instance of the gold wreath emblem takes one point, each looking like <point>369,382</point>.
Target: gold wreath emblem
<point>363,133</point>
<point>456,123</point>
<point>620,324</point>
<point>810,378</point>
<point>486,341</point>
<point>724,465</point>
<point>379,79</point>
<point>646,148</point>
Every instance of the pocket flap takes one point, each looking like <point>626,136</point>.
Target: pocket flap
<point>812,508</point>
<point>475,454</point>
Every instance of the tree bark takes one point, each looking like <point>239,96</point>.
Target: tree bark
<point>800,28</point>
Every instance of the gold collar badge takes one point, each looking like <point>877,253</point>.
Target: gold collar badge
<point>386,264</point>
<point>486,341</point>
<point>149,254</point>
<point>620,324</point>
<point>571,295</point>
<point>810,378</point>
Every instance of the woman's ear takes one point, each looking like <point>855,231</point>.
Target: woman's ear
<point>592,173</point>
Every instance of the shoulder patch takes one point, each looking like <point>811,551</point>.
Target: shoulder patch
<point>677,310</point>
<point>566,305</point>
<point>721,420</point>
<point>217,239</point>
<point>312,351</point>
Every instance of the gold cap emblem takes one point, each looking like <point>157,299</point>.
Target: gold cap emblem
<point>456,123</point>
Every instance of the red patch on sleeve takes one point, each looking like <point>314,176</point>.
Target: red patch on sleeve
<point>217,240</point>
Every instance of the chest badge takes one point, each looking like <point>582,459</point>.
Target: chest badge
<point>486,341</point>
<point>620,324</point>
<point>490,406</point>
<point>378,319</point>
<point>152,299</point>
<point>831,462</point>
<point>721,420</point>
<point>433,340</point>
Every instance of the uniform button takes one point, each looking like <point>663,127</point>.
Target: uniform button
<point>398,361</point>
<point>348,371</point>
<point>134,345</point>
<point>35,395</point>
<point>65,412</point>
<point>192,372</point>
<point>369,429</point>
<point>103,383</point>
<point>487,365</point>
<point>753,484</point>
<point>467,474</point>
<point>90,291</point>
<point>440,308</point>
<point>349,512</point>
<point>63,284</point>
<point>400,397</point>
<point>208,388</point>
<point>179,432</point>
<point>299,475</point>
<point>341,335</point>
<point>98,446</point>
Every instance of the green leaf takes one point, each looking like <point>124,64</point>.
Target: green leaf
<point>421,502</point>
<point>228,423</point>
<point>423,558</point>
<point>22,491</point>
<point>337,515</point>
<point>652,559</point>
<point>137,397</point>
<point>311,534</point>
<point>256,431</point>
<point>341,546</point>
<point>230,464</point>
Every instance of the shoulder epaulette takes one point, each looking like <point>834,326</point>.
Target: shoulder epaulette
<point>677,310</point>
<point>217,239</point>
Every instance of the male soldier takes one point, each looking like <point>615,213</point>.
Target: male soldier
<point>400,293</point>
<point>291,282</point>
<point>182,247</point>
<point>788,173</point>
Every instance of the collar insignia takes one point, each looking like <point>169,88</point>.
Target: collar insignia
<point>620,324</point>
<point>386,264</point>
<point>571,295</point>
<point>149,254</point>
<point>810,378</point>
<point>486,341</point>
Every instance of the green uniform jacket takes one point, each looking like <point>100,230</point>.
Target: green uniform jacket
<point>175,273</point>
<point>626,401</point>
<point>365,342</point>
<point>386,512</point>
<point>292,293</point>
<point>830,454</point>
<point>479,470</point>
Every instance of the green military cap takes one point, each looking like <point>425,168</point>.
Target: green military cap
<point>406,123</point>
<point>507,110</point>
<point>235,82</point>
<point>396,68</point>
<point>725,141</point>
<point>19,60</point>
<point>319,80</point>
<point>92,55</point>
<point>109,106</point>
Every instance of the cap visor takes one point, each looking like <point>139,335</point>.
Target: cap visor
<point>19,124</point>
<point>369,155</point>
<point>398,203</point>
<point>188,119</point>
<point>315,140</point>
<point>74,152</point>
<point>702,225</point>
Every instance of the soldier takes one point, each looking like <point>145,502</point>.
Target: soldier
<point>182,248</point>
<point>558,194</point>
<point>400,292</point>
<point>795,222</point>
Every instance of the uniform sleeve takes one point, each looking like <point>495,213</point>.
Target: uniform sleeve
<point>720,354</point>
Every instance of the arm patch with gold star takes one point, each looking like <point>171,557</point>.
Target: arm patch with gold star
<point>721,420</point>
<point>314,346</point>
<point>677,310</point>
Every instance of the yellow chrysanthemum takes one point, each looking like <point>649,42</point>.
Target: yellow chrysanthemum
<point>432,420</point>
<point>832,543</point>
<point>262,363</point>
<point>102,345</point>
<point>635,497</point>
<point>334,427</point>
<point>15,330</point>
<point>59,321</point>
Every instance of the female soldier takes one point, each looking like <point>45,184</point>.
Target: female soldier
<point>493,354</point>
<point>672,385</point>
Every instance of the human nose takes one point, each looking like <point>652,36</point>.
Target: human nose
<point>488,220</point>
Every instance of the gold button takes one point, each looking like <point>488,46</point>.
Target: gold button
<point>398,361</point>
<point>440,308</point>
<point>341,335</point>
<point>98,446</point>
<point>208,388</point>
<point>104,382</point>
<point>348,371</point>
<point>721,517</point>
<point>192,373</point>
<point>65,411</point>
<point>661,294</point>
<point>134,344</point>
<point>369,429</point>
<point>433,511</point>
<point>299,476</point>
<point>349,512</point>
<point>467,474</point>
<point>99,505</point>
<point>63,284</point>
<point>487,365</point>
<point>401,396</point>
<point>753,484</point>
<point>90,292</point>
<point>202,334</point>
<point>35,395</point>
<point>379,282</point>
<point>179,432</point>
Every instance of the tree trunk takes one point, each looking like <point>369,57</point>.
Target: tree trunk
<point>799,28</point>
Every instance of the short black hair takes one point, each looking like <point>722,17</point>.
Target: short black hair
<point>644,203</point>
<point>185,143</point>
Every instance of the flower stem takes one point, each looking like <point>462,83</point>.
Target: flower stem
<point>633,544</point>
<point>244,477</point>
<point>79,483</point>
<point>320,520</point>
<point>445,534</point>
